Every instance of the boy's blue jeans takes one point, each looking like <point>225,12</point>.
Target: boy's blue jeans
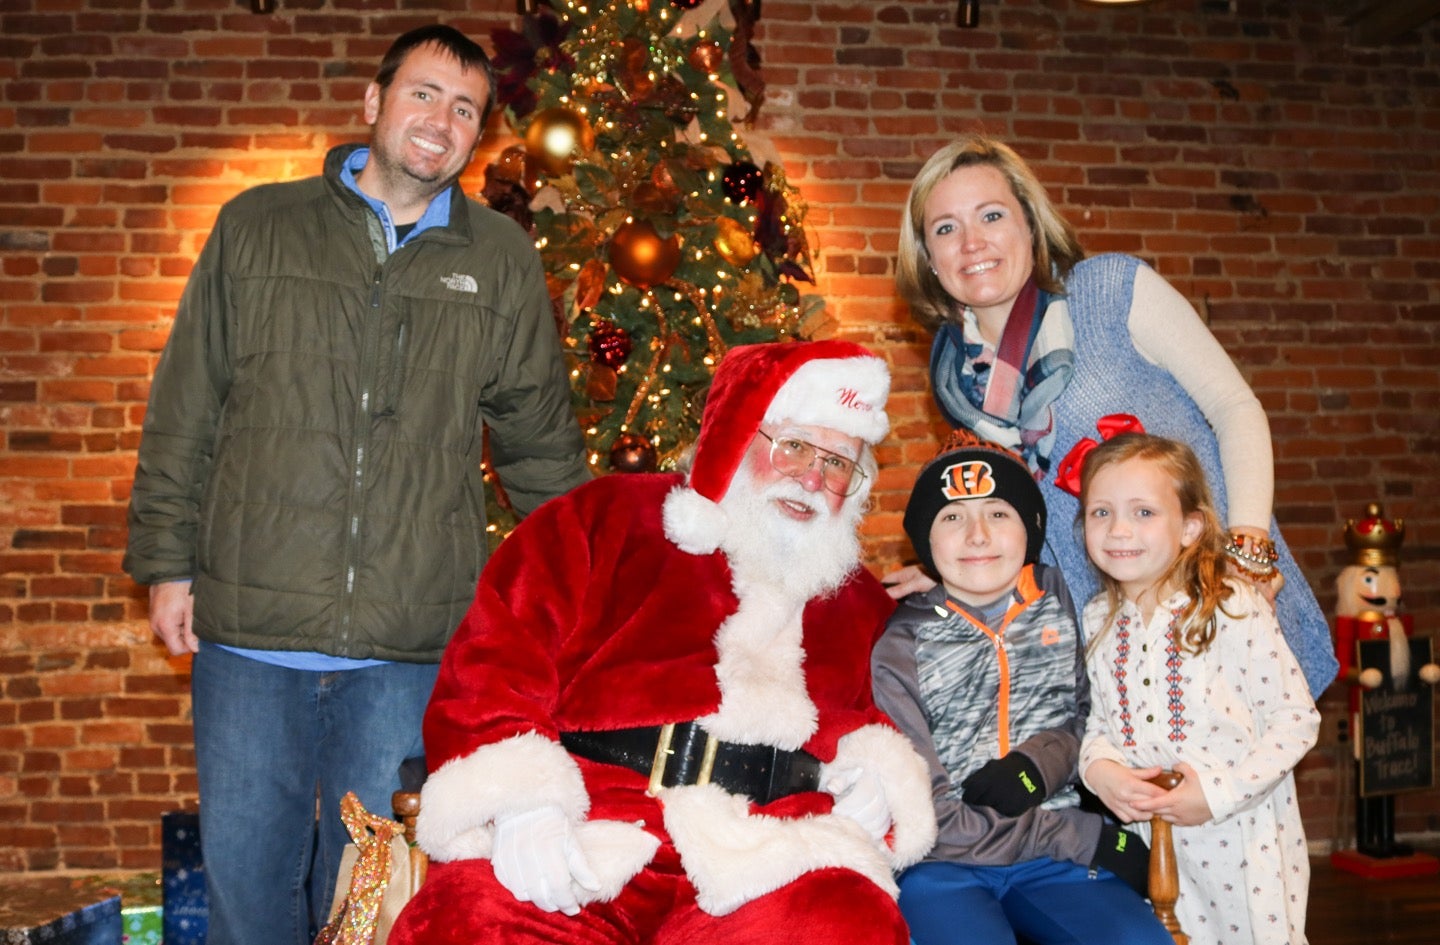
<point>266,739</point>
<point>1044,901</point>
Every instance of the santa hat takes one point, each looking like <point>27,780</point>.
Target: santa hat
<point>835,384</point>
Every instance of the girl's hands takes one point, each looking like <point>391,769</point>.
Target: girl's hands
<point>1184,806</point>
<point>1123,789</point>
<point>907,580</point>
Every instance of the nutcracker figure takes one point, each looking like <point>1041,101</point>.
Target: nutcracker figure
<point>1367,609</point>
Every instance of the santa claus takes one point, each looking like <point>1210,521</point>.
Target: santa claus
<point>655,722</point>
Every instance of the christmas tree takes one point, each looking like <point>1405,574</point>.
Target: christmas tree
<point>666,240</point>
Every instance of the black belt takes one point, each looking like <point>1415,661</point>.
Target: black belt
<point>682,753</point>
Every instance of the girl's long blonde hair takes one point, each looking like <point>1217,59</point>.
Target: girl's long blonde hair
<point>1200,569</point>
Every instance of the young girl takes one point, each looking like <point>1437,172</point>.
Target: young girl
<point>1188,671</point>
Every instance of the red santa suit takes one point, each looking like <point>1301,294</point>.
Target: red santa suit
<point>613,608</point>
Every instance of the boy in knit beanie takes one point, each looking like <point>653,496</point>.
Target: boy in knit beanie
<point>985,674</point>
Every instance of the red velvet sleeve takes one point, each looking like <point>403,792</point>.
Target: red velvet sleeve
<point>498,674</point>
<point>840,632</point>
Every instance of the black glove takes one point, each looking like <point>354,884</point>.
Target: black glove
<point>1012,785</point>
<point>1126,855</point>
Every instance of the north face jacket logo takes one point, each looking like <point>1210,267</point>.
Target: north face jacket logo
<point>459,282</point>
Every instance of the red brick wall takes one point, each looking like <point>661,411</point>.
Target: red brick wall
<point>1286,182</point>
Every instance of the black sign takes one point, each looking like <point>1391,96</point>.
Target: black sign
<point>1397,732</point>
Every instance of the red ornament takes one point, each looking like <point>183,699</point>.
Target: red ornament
<point>741,182</point>
<point>609,344</point>
<point>706,56</point>
<point>517,166</point>
<point>632,453</point>
<point>641,256</point>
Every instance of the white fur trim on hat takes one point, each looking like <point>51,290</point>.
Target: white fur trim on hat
<point>733,856</point>
<point>845,394</point>
<point>694,523</point>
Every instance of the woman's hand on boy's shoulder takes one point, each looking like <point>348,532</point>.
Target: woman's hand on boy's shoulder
<point>905,581</point>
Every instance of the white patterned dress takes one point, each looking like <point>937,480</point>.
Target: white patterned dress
<point>1241,715</point>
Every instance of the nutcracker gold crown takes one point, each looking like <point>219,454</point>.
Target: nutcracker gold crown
<point>1374,541</point>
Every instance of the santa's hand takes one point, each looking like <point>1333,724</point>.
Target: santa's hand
<point>537,858</point>
<point>1371,678</point>
<point>860,796</point>
<point>1430,674</point>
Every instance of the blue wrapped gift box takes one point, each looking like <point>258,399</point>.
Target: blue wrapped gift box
<point>57,911</point>
<point>186,915</point>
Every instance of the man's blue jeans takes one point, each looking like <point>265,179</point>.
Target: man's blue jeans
<point>268,742</point>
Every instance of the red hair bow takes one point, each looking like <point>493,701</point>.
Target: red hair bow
<point>1110,425</point>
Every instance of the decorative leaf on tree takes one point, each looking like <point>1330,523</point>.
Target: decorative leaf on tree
<point>667,241</point>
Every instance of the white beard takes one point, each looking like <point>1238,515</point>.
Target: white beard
<point>807,559</point>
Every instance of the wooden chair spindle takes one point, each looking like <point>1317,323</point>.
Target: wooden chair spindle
<point>1164,876</point>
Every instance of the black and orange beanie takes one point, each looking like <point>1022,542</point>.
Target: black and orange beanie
<point>974,469</point>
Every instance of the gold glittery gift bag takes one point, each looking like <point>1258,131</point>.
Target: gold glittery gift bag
<point>376,879</point>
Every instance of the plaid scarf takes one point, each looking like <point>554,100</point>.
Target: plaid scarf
<point>1006,394</point>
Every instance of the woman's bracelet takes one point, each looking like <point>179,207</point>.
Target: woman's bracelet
<point>1253,557</point>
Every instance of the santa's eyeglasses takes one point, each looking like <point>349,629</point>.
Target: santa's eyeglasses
<point>794,457</point>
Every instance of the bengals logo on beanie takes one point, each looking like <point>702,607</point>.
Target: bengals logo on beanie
<point>972,479</point>
<point>974,469</point>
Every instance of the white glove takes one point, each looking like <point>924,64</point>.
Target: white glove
<point>860,796</point>
<point>537,858</point>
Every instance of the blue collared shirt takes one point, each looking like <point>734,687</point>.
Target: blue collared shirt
<point>436,214</point>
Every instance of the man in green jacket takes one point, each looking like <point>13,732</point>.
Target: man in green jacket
<point>308,508</point>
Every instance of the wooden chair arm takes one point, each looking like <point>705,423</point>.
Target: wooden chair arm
<point>1164,876</point>
<point>406,805</point>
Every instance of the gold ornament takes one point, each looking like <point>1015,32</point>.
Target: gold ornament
<point>734,242</point>
<point>555,136</point>
<point>641,256</point>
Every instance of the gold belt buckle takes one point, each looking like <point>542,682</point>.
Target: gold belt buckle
<point>663,751</point>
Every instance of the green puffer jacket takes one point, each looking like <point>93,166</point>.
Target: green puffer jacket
<point>311,450</point>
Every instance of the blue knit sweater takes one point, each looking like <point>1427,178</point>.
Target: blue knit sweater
<point>1112,377</point>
